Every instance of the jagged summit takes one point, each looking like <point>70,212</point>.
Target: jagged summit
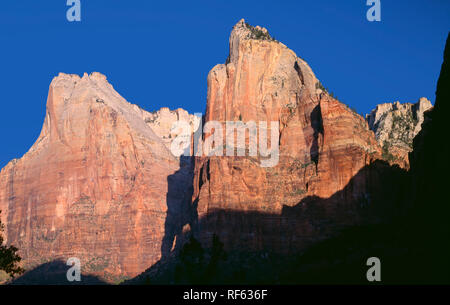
<point>70,77</point>
<point>244,31</point>
<point>381,117</point>
<point>73,98</point>
<point>274,77</point>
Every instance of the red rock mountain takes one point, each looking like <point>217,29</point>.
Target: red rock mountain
<point>323,146</point>
<point>101,184</point>
<point>95,183</point>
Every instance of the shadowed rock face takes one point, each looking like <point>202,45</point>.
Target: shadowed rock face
<point>395,125</point>
<point>94,185</point>
<point>323,144</point>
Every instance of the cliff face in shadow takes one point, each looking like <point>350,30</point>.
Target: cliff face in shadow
<point>313,218</point>
<point>312,237</point>
<point>179,210</point>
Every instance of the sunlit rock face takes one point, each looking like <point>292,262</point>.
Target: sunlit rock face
<point>395,125</point>
<point>96,184</point>
<point>322,144</point>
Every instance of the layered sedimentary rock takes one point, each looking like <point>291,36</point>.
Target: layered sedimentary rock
<point>323,145</point>
<point>395,125</point>
<point>99,184</point>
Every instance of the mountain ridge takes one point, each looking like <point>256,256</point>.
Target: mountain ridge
<point>101,183</point>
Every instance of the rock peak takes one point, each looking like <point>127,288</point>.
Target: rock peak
<point>424,102</point>
<point>99,170</point>
<point>244,31</point>
<point>248,29</point>
<point>240,23</point>
<point>322,144</point>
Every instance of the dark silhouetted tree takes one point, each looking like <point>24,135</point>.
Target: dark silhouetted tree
<point>191,266</point>
<point>9,259</point>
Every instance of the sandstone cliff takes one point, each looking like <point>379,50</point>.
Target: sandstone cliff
<point>395,125</point>
<point>99,184</point>
<point>323,145</point>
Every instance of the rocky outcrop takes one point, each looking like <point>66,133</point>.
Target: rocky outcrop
<point>162,122</point>
<point>395,125</point>
<point>322,146</point>
<point>99,184</point>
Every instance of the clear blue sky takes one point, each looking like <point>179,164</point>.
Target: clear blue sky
<point>158,53</point>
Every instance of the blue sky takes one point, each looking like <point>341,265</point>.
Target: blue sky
<point>158,53</point>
